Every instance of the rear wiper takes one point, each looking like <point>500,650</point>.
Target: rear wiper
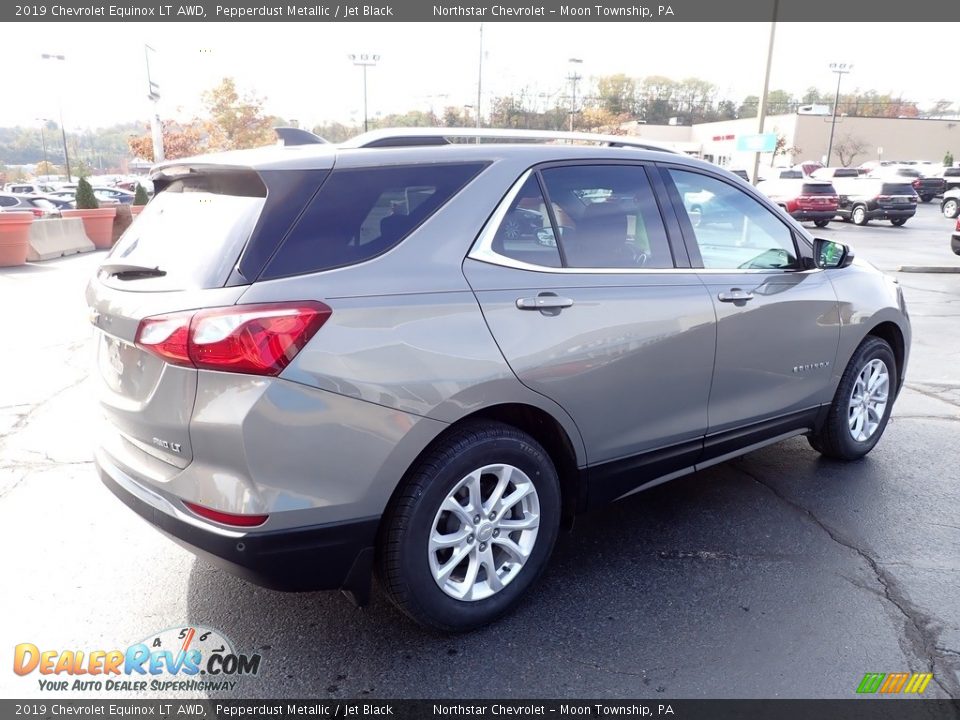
<point>123,271</point>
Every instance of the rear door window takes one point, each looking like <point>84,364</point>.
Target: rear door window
<point>608,217</point>
<point>361,213</point>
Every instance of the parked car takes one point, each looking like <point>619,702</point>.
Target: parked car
<point>950,205</point>
<point>113,194</point>
<point>830,173</point>
<point>951,178</point>
<point>40,207</point>
<point>955,240</point>
<point>365,371</point>
<point>927,187</point>
<point>27,188</point>
<point>870,198</point>
<point>808,199</point>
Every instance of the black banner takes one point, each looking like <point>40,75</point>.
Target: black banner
<point>859,11</point>
<point>853,709</point>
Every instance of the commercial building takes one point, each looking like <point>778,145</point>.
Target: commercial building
<point>806,136</point>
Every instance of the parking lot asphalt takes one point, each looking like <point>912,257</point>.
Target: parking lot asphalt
<point>779,574</point>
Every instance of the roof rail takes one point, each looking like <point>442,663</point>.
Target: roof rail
<point>297,136</point>
<point>408,136</point>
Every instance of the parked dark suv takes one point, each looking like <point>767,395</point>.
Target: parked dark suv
<point>425,357</point>
<point>867,198</point>
<point>926,187</point>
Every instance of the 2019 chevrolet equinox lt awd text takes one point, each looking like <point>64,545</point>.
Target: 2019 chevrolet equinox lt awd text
<point>322,361</point>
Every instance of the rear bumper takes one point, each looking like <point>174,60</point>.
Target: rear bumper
<point>955,244</point>
<point>891,213</point>
<point>811,215</point>
<point>320,557</point>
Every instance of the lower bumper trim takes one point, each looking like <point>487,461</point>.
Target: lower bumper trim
<point>321,557</point>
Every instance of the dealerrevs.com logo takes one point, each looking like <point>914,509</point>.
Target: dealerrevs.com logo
<point>191,658</point>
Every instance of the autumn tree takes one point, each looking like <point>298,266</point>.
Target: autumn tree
<point>180,140</point>
<point>45,167</point>
<point>236,121</point>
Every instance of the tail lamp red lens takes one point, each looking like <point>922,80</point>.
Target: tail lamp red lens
<point>225,518</point>
<point>254,339</point>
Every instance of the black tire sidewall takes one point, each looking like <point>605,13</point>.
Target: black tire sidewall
<point>873,349</point>
<point>427,598</point>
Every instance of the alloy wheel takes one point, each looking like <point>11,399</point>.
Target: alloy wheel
<point>484,532</point>
<point>868,400</point>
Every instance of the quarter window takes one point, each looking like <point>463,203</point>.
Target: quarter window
<point>526,234</point>
<point>360,213</point>
<point>733,231</point>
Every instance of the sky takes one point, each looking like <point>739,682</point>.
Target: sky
<point>304,71</point>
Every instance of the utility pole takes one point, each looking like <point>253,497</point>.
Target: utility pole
<point>574,78</point>
<point>63,132</point>
<point>840,69</point>
<point>43,144</point>
<point>153,94</point>
<point>480,81</point>
<point>762,109</point>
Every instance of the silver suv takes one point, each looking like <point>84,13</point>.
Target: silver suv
<point>424,357</point>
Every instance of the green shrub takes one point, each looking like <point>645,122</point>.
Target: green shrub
<point>948,159</point>
<point>140,195</point>
<point>86,200</point>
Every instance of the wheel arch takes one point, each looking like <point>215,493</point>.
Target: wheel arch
<point>891,333</point>
<point>542,427</point>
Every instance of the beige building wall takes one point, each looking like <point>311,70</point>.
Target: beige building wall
<point>900,138</point>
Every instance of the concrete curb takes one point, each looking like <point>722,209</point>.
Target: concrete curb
<point>929,268</point>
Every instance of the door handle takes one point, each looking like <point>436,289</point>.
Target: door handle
<point>735,295</point>
<point>544,301</point>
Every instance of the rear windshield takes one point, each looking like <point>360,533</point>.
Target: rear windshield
<point>951,172</point>
<point>908,172</point>
<point>897,189</point>
<point>846,172</point>
<point>818,189</point>
<point>791,174</point>
<point>194,230</point>
<point>361,213</point>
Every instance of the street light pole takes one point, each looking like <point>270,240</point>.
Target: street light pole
<point>364,61</point>
<point>840,69</point>
<point>63,132</point>
<point>479,80</point>
<point>43,144</point>
<point>574,78</point>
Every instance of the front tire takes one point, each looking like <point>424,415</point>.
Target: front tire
<point>861,406</point>
<point>471,529</point>
<point>859,215</point>
<point>951,208</point>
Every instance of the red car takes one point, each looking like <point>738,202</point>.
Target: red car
<point>810,200</point>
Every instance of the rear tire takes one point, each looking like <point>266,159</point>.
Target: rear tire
<point>841,437</point>
<point>418,539</point>
<point>859,215</point>
<point>898,222</point>
<point>926,198</point>
<point>821,223</point>
<point>951,208</point>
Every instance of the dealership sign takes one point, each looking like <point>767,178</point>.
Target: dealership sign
<point>762,143</point>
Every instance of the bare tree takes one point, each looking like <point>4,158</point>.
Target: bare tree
<point>849,148</point>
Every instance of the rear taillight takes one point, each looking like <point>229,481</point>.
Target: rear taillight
<point>253,339</point>
<point>958,226</point>
<point>226,518</point>
<point>916,183</point>
<point>37,212</point>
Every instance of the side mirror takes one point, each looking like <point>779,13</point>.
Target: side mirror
<point>828,254</point>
